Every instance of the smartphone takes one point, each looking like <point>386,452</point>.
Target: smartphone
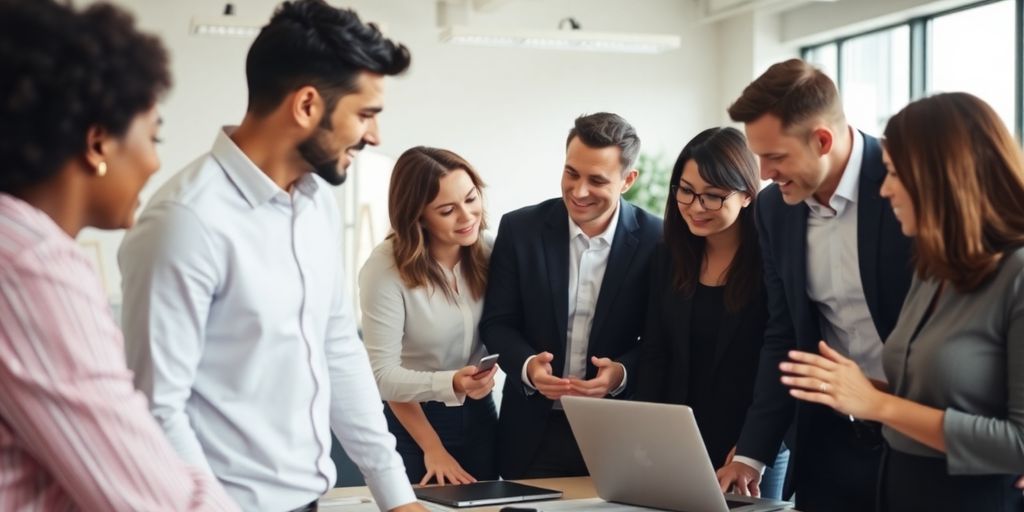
<point>486,364</point>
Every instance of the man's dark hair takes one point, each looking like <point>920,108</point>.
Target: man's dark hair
<point>604,129</point>
<point>308,42</point>
<point>793,91</point>
<point>63,72</point>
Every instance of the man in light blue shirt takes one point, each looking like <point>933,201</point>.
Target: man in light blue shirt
<point>236,322</point>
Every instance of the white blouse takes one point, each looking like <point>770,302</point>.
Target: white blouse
<point>417,338</point>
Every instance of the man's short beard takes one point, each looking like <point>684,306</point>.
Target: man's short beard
<point>323,161</point>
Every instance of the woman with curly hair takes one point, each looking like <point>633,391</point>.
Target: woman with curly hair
<point>78,126</point>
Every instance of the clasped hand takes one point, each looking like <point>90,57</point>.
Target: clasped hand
<point>609,377</point>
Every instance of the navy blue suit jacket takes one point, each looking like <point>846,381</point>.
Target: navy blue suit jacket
<point>885,270</point>
<point>527,303</point>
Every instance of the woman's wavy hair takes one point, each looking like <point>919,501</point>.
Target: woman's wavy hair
<point>965,175</point>
<point>723,161</point>
<point>415,182</point>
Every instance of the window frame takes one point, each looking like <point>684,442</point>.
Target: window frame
<point>919,48</point>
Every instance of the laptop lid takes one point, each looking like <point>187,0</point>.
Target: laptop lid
<point>484,493</point>
<point>650,455</point>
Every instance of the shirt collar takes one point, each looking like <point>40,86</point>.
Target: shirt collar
<point>846,191</point>
<point>254,185</point>
<point>608,235</point>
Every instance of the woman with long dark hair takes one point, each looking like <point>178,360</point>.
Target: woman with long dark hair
<point>421,293</point>
<point>706,312</point>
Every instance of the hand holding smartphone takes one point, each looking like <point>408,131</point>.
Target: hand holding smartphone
<point>485,365</point>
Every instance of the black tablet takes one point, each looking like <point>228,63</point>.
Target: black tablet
<point>484,493</point>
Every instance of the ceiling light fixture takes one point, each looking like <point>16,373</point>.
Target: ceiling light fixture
<point>578,40</point>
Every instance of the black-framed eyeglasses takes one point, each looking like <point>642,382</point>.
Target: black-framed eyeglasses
<point>710,202</point>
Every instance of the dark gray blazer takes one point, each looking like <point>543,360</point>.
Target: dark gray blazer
<point>968,360</point>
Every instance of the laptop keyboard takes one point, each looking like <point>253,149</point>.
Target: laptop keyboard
<point>736,504</point>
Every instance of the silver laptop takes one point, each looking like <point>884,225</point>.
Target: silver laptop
<point>651,455</point>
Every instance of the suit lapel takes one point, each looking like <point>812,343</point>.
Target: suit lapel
<point>556,255</point>
<point>870,206</point>
<point>621,254</point>
<point>794,241</point>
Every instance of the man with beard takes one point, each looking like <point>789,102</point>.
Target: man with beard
<point>236,323</point>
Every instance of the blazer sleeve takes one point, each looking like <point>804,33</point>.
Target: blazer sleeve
<point>653,362</point>
<point>772,409</point>
<point>502,320</point>
<point>978,444</point>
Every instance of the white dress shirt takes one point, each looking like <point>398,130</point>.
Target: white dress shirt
<point>241,335</point>
<point>417,338</point>
<point>588,260</point>
<point>833,271</point>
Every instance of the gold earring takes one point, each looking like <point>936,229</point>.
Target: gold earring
<point>101,169</point>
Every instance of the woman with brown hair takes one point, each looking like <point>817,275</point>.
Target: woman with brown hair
<point>421,294</point>
<point>953,413</point>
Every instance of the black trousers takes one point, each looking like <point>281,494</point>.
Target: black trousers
<point>558,455</point>
<point>467,432</point>
<point>912,483</point>
<point>836,464</point>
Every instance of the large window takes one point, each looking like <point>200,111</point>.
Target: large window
<point>972,49</point>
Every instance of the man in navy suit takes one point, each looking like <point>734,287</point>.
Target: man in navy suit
<point>566,298</point>
<point>837,268</point>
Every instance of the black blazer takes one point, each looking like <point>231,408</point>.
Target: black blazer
<point>663,372</point>
<point>527,303</point>
<point>885,271</point>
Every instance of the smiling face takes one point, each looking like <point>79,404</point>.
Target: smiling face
<point>592,183</point>
<point>453,217</point>
<point>796,163</point>
<point>702,221</point>
<point>349,128</point>
<point>899,198</point>
<point>130,159</point>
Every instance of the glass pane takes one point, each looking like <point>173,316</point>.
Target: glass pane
<point>876,77</point>
<point>973,51</point>
<point>825,58</point>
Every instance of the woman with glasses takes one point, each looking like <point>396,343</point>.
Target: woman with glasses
<point>707,312</point>
<point>953,412</point>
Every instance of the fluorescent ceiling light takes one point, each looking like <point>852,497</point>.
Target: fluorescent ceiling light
<point>225,26</point>
<point>579,40</point>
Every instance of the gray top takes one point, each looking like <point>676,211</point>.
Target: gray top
<point>968,360</point>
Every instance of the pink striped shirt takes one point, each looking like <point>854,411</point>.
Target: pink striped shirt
<point>74,433</point>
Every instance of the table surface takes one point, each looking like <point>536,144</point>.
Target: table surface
<point>572,488</point>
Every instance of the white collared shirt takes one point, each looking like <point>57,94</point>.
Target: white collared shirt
<point>417,338</point>
<point>833,271</point>
<point>588,260</point>
<point>240,333</point>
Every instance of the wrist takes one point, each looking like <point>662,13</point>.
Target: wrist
<point>885,407</point>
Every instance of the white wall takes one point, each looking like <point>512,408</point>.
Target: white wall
<point>506,110</point>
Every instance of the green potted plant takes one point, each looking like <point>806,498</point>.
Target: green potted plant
<point>651,187</point>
